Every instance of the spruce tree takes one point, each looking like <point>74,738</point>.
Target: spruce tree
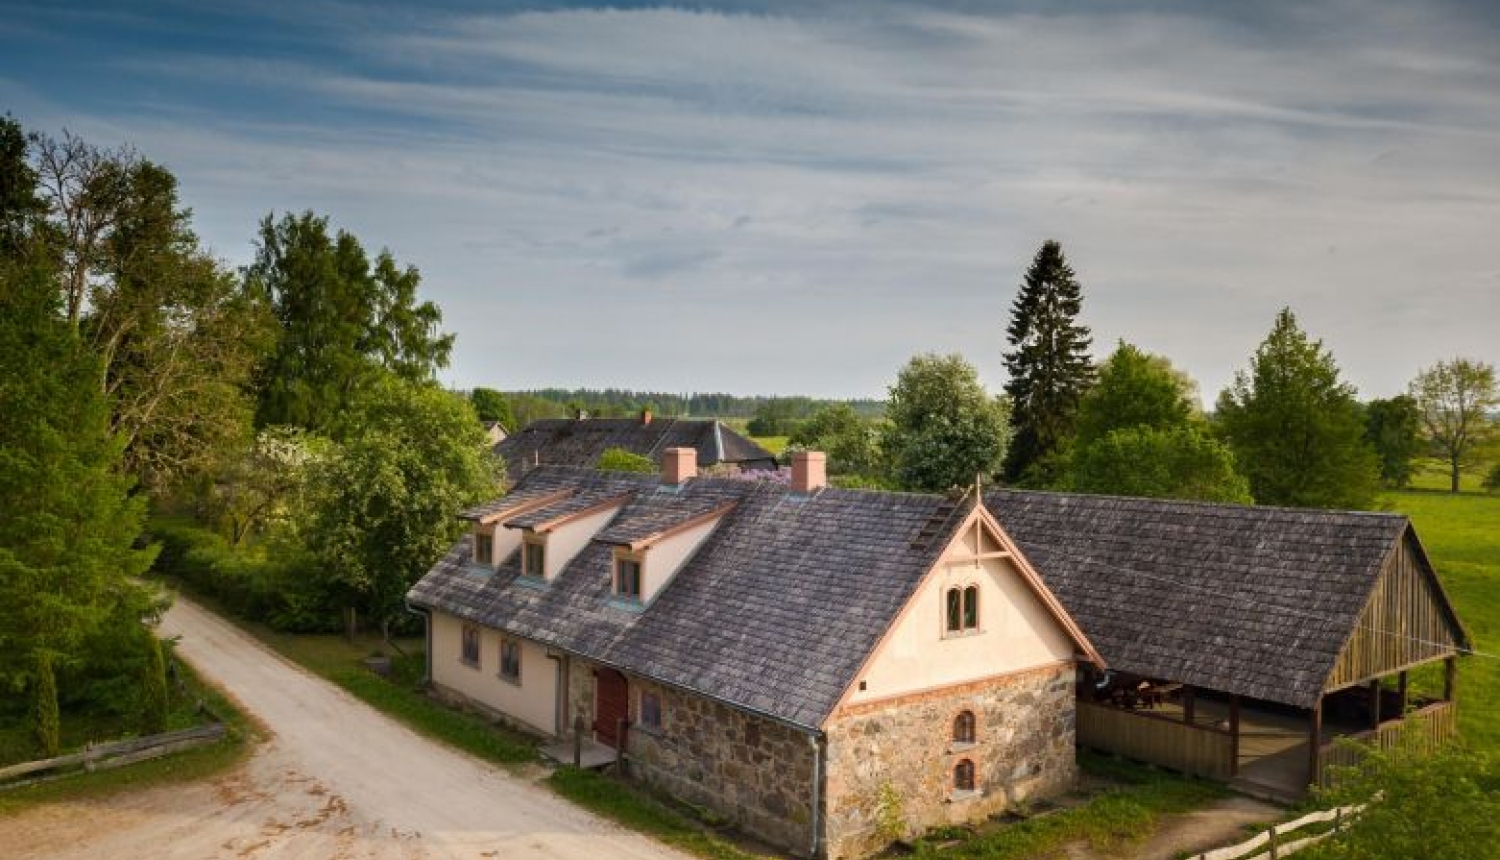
<point>1048,363</point>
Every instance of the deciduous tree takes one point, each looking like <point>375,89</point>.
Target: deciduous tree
<point>1295,427</point>
<point>1394,429</point>
<point>491,405</point>
<point>1134,389</point>
<point>944,429</point>
<point>1173,463</point>
<point>852,443</point>
<point>1048,363</point>
<point>1455,399</point>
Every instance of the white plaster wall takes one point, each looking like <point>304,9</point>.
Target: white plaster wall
<point>664,558</point>
<point>533,702</point>
<point>566,541</point>
<point>507,541</point>
<point>1016,632</point>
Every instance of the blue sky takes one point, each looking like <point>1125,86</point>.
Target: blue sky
<point>797,197</point>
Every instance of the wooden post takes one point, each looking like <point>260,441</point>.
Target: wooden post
<point>1234,735</point>
<point>1187,704</point>
<point>578,741</point>
<point>1375,704</point>
<point>1450,678</point>
<point>1401,691</point>
<point>1275,853</point>
<point>620,745</point>
<point>1315,747</point>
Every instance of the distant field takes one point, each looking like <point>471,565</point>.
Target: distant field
<point>1462,534</point>
<point>774,444</point>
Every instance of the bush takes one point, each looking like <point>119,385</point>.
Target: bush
<point>621,460</point>
<point>1492,480</point>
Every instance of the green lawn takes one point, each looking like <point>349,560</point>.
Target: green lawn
<point>774,444</point>
<point>1462,535</point>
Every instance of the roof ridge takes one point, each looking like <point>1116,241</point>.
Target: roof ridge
<point>1200,503</point>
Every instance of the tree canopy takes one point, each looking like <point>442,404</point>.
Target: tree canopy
<point>1048,363</point>
<point>1172,463</point>
<point>1394,428</point>
<point>1454,399</point>
<point>851,442</point>
<point>944,429</point>
<point>1134,389</point>
<point>1295,427</point>
<point>491,405</point>
<point>339,321</point>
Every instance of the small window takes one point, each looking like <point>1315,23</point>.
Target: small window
<point>510,660</point>
<point>963,776</point>
<point>470,654</point>
<point>484,549</point>
<point>962,609</point>
<point>650,710</point>
<point>534,562</point>
<point>628,578</point>
<point>963,728</point>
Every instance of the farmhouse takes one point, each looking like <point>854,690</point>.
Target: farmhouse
<point>579,442</point>
<point>805,660</point>
<point>1243,641</point>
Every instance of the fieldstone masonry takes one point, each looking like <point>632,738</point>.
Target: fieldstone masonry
<point>901,754</point>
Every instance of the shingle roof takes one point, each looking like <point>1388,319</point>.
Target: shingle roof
<point>567,442</point>
<point>1256,601</point>
<point>774,613</point>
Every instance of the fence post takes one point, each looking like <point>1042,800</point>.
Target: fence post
<point>620,744</point>
<point>1338,819</point>
<point>1274,852</point>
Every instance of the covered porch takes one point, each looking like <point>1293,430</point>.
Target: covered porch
<point>1258,746</point>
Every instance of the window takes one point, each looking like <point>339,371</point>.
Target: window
<point>963,777</point>
<point>470,653</point>
<point>628,578</point>
<point>510,660</point>
<point>534,559</point>
<point>650,710</point>
<point>963,609</point>
<point>484,549</point>
<point>963,728</point>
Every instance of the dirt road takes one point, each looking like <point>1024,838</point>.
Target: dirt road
<point>337,781</point>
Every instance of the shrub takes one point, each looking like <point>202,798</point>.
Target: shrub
<point>1492,480</point>
<point>46,724</point>
<point>621,460</point>
<point>154,689</point>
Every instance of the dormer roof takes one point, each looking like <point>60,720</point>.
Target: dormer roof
<point>660,514</point>
<point>546,517</point>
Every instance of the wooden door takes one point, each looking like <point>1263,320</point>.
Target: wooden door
<point>611,705</point>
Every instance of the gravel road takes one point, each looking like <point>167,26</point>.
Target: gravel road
<point>337,781</point>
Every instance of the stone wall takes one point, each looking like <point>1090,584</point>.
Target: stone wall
<point>898,757</point>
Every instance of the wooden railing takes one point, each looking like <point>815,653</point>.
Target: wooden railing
<point>1273,843</point>
<point>1433,724</point>
<point>114,753</point>
<point>1193,749</point>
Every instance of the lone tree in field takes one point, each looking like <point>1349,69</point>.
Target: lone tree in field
<point>1295,428</point>
<point>1048,363</point>
<point>1455,399</point>
<point>1394,428</point>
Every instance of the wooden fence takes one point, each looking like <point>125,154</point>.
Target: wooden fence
<point>1276,847</point>
<point>1433,724</point>
<point>1197,750</point>
<point>113,754</point>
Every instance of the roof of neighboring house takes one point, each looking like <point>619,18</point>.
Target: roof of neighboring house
<point>570,442</point>
<point>1256,601</point>
<point>774,613</point>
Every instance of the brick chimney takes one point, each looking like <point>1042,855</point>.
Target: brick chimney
<point>809,471</point>
<point>679,465</point>
<point>645,416</point>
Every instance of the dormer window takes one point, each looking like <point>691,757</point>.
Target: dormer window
<point>534,558</point>
<point>628,578</point>
<point>484,549</point>
<point>962,610</point>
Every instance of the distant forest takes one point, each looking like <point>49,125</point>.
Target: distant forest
<point>617,402</point>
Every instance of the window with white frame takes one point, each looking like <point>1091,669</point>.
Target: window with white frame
<point>962,610</point>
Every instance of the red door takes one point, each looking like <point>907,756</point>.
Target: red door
<point>611,705</point>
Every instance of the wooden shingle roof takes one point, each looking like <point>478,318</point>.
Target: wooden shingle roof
<point>774,613</point>
<point>568,442</point>
<point>1256,601</point>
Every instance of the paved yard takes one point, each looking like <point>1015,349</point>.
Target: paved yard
<point>337,781</point>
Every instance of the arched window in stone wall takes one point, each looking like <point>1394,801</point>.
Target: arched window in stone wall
<point>963,775</point>
<point>963,728</point>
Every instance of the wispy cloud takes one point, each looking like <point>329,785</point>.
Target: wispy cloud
<point>862,182</point>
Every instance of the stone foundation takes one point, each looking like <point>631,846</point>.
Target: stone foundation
<point>894,761</point>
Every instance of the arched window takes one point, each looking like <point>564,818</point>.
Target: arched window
<point>962,609</point>
<point>963,727</point>
<point>963,775</point>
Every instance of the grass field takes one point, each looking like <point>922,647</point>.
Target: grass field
<point>774,444</point>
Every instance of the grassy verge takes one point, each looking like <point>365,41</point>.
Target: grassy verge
<point>179,767</point>
<point>627,805</point>
<point>400,696</point>
<point>1117,817</point>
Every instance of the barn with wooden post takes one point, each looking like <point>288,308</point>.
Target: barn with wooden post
<point>1244,641</point>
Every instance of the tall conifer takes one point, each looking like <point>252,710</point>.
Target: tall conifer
<point>1048,362</point>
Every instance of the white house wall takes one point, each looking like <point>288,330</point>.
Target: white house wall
<point>532,702</point>
<point>664,558</point>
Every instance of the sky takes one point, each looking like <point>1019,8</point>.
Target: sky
<point>797,197</point>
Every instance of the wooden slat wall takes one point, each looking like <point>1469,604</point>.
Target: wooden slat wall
<point>1435,724</point>
<point>1189,749</point>
<point>1404,603</point>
